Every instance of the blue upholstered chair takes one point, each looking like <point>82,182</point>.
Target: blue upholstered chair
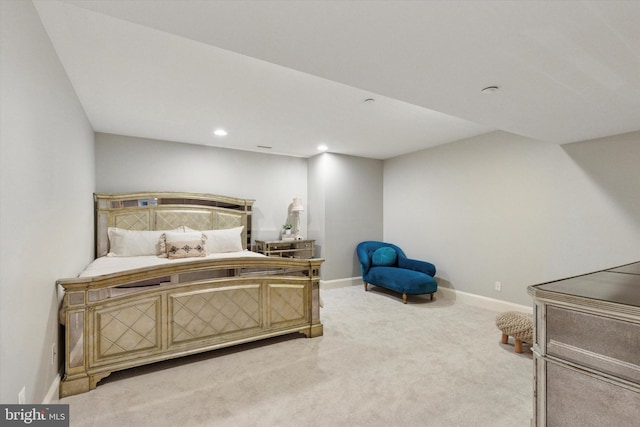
<point>386,265</point>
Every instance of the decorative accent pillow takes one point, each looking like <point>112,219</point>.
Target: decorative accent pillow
<point>185,245</point>
<point>162,253</point>
<point>133,242</point>
<point>229,240</point>
<point>385,256</point>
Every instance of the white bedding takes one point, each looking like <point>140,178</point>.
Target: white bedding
<point>108,264</point>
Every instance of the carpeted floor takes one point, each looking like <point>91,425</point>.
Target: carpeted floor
<point>379,363</point>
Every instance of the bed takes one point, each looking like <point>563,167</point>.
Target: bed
<point>142,300</point>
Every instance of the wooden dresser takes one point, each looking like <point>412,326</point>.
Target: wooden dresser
<point>587,349</point>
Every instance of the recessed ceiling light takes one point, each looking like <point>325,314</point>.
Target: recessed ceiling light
<point>220,132</point>
<point>369,100</point>
<point>322,147</point>
<point>490,89</point>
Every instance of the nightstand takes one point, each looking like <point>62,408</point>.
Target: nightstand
<point>286,248</point>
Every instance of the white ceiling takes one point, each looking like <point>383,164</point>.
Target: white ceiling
<point>293,74</point>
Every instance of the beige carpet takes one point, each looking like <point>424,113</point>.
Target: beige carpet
<point>379,363</point>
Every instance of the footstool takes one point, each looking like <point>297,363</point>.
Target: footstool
<point>517,325</point>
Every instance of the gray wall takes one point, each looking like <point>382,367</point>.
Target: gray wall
<point>46,210</point>
<point>126,163</point>
<point>613,165</point>
<point>500,207</point>
<point>347,209</point>
<point>317,206</point>
<point>342,207</point>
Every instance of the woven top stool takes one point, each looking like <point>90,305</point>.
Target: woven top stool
<point>517,325</point>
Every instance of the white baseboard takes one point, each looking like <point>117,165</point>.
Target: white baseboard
<point>341,283</point>
<point>482,302</point>
<point>446,293</point>
<point>53,394</point>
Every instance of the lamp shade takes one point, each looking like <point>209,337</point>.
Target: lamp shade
<point>297,205</point>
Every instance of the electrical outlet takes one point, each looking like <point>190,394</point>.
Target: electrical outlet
<point>53,354</point>
<point>22,396</point>
<point>498,286</point>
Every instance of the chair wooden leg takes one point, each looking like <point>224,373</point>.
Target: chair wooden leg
<point>518,346</point>
<point>404,298</point>
<point>365,287</point>
<point>432,297</point>
<point>505,339</point>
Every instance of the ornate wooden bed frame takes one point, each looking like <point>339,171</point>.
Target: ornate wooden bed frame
<point>136,317</point>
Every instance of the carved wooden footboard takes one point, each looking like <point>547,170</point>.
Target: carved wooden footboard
<point>205,305</point>
<point>130,318</point>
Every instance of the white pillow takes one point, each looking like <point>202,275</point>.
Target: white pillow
<point>229,240</point>
<point>133,242</point>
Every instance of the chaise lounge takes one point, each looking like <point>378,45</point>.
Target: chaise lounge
<point>385,264</point>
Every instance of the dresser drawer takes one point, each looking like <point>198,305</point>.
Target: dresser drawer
<point>280,247</point>
<point>609,345</point>
<point>577,398</point>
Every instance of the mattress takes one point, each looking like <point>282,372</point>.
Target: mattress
<point>112,264</point>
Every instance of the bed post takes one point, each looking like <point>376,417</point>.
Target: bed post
<point>316,328</point>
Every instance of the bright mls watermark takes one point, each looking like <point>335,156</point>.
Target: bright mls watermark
<point>34,415</point>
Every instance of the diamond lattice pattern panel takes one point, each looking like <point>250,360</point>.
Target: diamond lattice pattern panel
<point>132,221</point>
<point>197,220</point>
<point>287,303</point>
<point>214,312</point>
<point>225,220</point>
<point>127,329</point>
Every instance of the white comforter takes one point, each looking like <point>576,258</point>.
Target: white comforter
<point>110,264</point>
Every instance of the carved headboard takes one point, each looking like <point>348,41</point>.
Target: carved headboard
<point>167,211</point>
